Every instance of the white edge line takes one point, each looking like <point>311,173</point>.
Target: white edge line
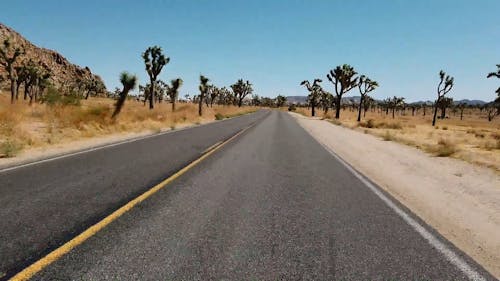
<point>449,254</point>
<point>98,147</point>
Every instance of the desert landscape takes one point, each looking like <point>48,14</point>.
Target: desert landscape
<point>31,130</point>
<point>50,106</point>
<point>471,138</point>
<point>249,140</point>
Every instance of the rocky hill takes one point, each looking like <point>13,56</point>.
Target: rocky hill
<point>62,71</point>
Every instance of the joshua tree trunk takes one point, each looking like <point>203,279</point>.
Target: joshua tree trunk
<point>491,115</point>
<point>313,109</point>
<point>12,90</point>
<point>32,94</point>
<point>173,105</point>
<point>393,111</point>
<point>443,112</point>
<point>337,107</point>
<point>359,108</point>
<point>424,110</point>
<point>151,94</point>
<point>119,104</point>
<point>200,106</point>
<point>461,114</point>
<point>435,113</point>
<point>18,85</point>
<point>25,91</point>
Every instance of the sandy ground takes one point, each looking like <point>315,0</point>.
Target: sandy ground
<point>460,200</point>
<point>49,151</point>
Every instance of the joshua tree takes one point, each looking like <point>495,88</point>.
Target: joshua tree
<point>145,91</point>
<point>203,91</point>
<point>41,83</point>
<point>129,82</point>
<point>241,89</point>
<point>461,106</point>
<point>413,108</point>
<point>495,74</point>
<point>22,76</point>
<point>325,100</point>
<point>255,100</point>
<point>173,91</point>
<point>444,103</point>
<point>8,58</point>
<point>35,80</point>
<point>445,85</point>
<point>225,96</point>
<point>367,103</point>
<point>280,101</point>
<point>496,103</point>
<point>365,86</point>
<point>394,103</point>
<point>92,85</point>
<point>214,92</point>
<point>315,91</point>
<point>155,60</point>
<point>492,109</point>
<point>344,79</point>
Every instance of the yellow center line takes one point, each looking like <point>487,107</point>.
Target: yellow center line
<point>53,256</point>
<point>211,147</point>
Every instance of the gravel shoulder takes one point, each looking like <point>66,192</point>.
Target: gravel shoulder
<point>460,200</point>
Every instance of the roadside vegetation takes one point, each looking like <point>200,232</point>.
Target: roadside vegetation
<point>39,113</point>
<point>442,128</point>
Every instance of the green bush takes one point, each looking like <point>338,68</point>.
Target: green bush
<point>53,97</point>
<point>368,124</point>
<point>71,99</point>
<point>9,148</point>
<point>98,111</point>
<point>292,107</point>
<point>219,116</point>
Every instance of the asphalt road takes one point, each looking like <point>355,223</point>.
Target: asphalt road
<point>271,205</point>
<point>44,205</point>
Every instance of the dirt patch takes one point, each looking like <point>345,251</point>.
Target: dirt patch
<point>460,200</point>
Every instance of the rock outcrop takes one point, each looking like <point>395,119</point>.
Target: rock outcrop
<point>62,71</point>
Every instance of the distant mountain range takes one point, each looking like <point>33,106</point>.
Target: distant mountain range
<point>355,99</point>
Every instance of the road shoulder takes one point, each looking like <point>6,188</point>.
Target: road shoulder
<point>64,149</point>
<point>460,200</point>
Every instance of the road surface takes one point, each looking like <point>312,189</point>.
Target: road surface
<point>44,205</point>
<point>272,204</point>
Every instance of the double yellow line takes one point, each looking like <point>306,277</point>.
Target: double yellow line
<point>53,256</point>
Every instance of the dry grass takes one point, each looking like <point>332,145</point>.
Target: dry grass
<point>472,139</point>
<point>23,126</point>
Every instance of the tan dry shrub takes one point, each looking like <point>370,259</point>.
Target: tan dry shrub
<point>444,148</point>
<point>387,136</point>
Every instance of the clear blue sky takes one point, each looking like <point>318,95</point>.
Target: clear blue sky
<point>276,44</point>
